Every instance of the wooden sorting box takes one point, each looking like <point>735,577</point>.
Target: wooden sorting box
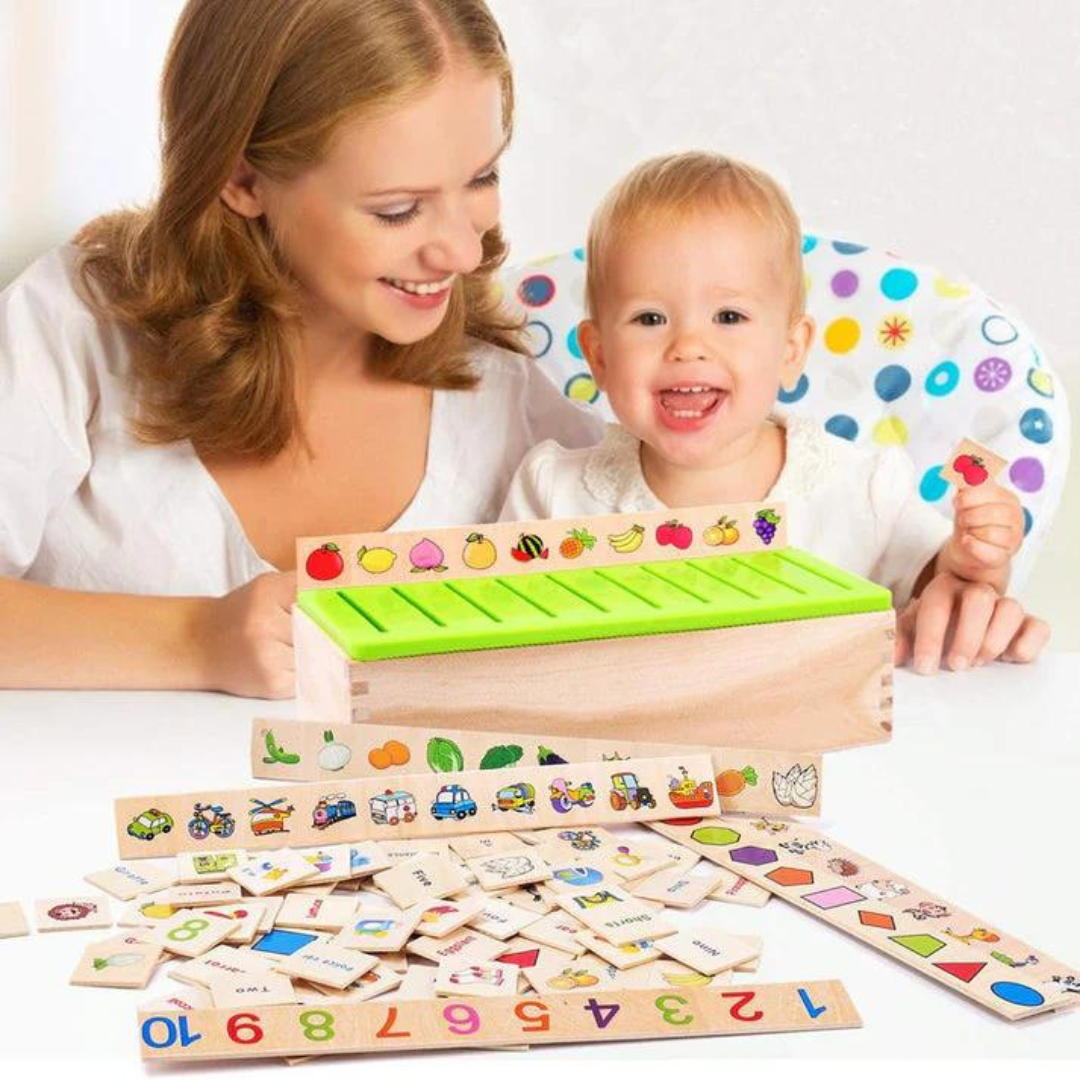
<point>771,649</point>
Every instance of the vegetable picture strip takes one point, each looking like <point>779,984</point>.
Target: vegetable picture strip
<point>426,804</point>
<point>747,781</point>
<point>888,912</point>
<point>276,1030</point>
<point>331,562</point>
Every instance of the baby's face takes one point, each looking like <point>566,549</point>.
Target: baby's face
<point>695,334</point>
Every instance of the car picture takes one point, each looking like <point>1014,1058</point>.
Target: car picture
<point>453,801</point>
<point>149,823</point>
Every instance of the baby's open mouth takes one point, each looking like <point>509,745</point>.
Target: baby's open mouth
<point>691,402</point>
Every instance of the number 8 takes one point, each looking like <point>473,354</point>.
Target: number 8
<point>188,930</point>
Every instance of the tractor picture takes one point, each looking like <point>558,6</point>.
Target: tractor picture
<point>627,792</point>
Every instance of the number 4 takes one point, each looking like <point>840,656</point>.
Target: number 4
<point>602,1014</point>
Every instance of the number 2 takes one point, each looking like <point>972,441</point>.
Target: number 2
<point>744,999</point>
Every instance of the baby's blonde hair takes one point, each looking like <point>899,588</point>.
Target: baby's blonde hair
<point>671,189</point>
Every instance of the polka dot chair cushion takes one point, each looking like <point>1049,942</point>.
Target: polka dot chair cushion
<point>902,356</point>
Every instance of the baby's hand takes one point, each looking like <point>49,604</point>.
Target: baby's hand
<point>988,528</point>
<point>969,623</point>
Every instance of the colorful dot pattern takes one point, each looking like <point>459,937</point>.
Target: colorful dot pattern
<point>903,356</point>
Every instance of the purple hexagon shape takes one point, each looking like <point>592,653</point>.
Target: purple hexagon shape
<point>753,856</point>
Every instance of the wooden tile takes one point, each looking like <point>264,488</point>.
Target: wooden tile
<point>304,912</point>
<point>327,963</point>
<point>500,919</point>
<point>586,974</point>
<point>512,868</point>
<point>379,930</point>
<point>558,930</point>
<point>425,878</point>
<point>971,465</point>
<point>477,844</point>
<point>476,978</point>
<point>12,920</point>
<point>191,933</point>
<point>631,955</point>
<point>271,873</point>
<point>443,917</point>
<point>221,960</point>
<point>126,963</point>
<point>462,945</point>
<point>125,881</point>
<point>706,949</point>
<point>72,913</point>
<point>194,867</point>
<point>381,979</point>
<point>246,917</point>
<point>615,915</point>
<point>218,892</point>
<point>676,888</point>
<point>236,991</point>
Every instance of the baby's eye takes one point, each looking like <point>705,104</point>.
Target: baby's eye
<point>729,317</point>
<point>649,318</point>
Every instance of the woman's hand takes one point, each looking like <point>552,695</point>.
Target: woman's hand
<point>967,623</point>
<point>246,639</point>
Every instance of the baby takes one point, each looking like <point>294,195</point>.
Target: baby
<point>696,317</point>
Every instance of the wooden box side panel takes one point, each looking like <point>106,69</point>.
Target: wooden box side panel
<point>324,688</point>
<point>815,684</point>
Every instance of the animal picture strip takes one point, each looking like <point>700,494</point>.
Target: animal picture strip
<point>276,1030</point>
<point>888,912</point>
<point>516,547</point>
<point>747,780</point>
<point>412,805</point>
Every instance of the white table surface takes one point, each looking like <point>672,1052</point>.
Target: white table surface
<point>975,798</point>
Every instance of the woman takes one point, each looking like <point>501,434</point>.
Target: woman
<point>300,336</point>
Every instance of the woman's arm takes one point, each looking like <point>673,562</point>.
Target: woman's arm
<point>240,643</point>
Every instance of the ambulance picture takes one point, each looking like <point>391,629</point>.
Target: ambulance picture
<point>392,807</point>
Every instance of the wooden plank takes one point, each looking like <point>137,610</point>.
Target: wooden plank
<point>889,913</point>
<point>807,685</point>
<point>423,804</point>
<point>393,558</point>
<point>301,750</point>
<point>363,1027</point>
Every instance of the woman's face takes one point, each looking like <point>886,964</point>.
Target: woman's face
<point>377,232</point>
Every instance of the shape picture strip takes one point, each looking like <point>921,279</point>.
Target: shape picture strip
<point>428,804</point>
<point>272,1031</point>
<point>888,912</point>
<point>522,547</point>
<point>750,781</point>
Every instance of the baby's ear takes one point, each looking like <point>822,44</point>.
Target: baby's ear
<point>796,349</point>
<point>588,334</point>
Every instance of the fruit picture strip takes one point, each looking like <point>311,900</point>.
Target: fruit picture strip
<point>509,547</point>
<point>971,465</point>
<point>430,804</point>
<point>888,912</point>
<point>374,1026</point>
<point>747,780</point>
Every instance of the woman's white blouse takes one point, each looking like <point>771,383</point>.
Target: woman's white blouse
<point>84,505</point>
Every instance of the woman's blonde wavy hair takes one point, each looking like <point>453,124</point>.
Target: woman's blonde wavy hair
<point>211,308</point>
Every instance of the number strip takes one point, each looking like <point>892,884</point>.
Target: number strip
<point>274,1031</point>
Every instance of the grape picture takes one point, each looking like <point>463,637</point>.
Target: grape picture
<point>765,525</point>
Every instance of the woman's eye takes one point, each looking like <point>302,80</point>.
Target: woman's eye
<point>729,317</point>
<point>401,217</point>
<point>649,318</point>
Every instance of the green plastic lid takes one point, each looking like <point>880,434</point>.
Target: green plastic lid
<point>379,622</point>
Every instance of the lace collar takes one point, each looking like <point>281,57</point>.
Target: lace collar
<point>613,470</point>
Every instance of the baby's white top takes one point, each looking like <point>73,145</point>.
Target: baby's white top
<point>84,505</point>
<point>856,509</point>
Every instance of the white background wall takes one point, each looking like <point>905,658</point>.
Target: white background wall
<point>943,130</point>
